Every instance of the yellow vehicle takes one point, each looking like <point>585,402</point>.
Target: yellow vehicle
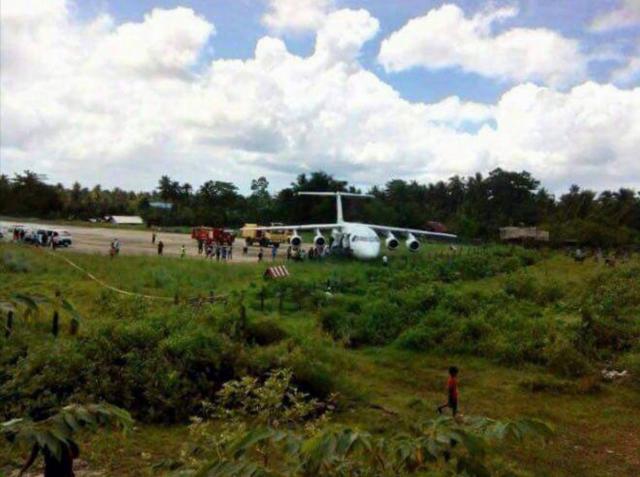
<point>264,238</point>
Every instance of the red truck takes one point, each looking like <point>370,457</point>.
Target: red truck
<point>214,235</point>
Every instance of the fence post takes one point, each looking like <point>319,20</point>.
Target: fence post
<point>73,329</point>
<point>242,323</point>
<point>55,325</point>
<point>9,329</point>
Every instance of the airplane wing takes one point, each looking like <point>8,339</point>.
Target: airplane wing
<point>294,227</point>
<point>384,228</point>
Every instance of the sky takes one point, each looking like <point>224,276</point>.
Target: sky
<point>120,92</point>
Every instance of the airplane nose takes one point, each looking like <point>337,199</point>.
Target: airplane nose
<point>372,251</point>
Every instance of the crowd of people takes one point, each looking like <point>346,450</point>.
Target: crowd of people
<point>213,250</point>
<point>40,238</point>
<point>609,258</point>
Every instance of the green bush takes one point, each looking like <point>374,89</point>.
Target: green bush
<point>311,375</point>
<point>14,263</point>
<point>565,360</point>
<point>265,332</point>
<point>430,333</point>
<point>337,322</point>
<point>522,286</point>
<point>381,322</point>
<point>631,362</point>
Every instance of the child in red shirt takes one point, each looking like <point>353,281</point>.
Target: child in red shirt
<point>452,392</point>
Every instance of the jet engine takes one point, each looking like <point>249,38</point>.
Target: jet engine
<point>412,243</point>
<point>391,242</point>
<point>319,240</point>
<point>295,240</point>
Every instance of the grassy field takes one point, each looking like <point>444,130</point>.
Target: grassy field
<point>513,321</point>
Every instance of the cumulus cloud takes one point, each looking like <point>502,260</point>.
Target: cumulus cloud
<point>76,105</point>
<point>625,16</point>
<point>587,135</point>
<point>167,42</point>
<point>296,15</point>
<point>446,38</point>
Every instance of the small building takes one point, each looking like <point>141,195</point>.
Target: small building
<point>161,205</point>
<point>520,234</point>
<point>125,219</point>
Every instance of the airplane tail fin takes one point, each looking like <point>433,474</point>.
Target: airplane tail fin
<point>338,196</point>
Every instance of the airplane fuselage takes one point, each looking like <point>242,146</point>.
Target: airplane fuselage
<point>358,239</point>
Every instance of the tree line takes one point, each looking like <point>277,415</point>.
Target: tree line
<point>473,207</point>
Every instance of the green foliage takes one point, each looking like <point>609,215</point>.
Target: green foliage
<point>274,401</point>
<point>609,310</point>
<point>56,432</point>
<point>631,363</point>
<point>14,263</point>
<point>565,360</point>
<point>265,332</point>
<point>525,286</point>
<point>442,444</point>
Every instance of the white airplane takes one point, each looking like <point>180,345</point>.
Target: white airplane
<point>354,238</point>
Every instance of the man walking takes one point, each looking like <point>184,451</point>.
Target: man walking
<point>160,247</point>
<point>452,392</point>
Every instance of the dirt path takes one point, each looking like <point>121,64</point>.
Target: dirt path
<point>138,242</point>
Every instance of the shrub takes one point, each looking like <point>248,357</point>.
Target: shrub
<point>429,334</point>
<point>13,263</point>
<point>631,362</point>
<point>337,322</point>
<point>381,322</point>
<point>522,286</point>
<point>549,292</point>
<point>265,332</point>
<point>313,376</point>
<point>565,360</point>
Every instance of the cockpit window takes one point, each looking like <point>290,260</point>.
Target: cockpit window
<point>364,239</point>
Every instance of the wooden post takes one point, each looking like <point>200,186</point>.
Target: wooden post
<point>9,329</point>
<point>55,325</point>
<point>241,326</point>
<point>73,329</point>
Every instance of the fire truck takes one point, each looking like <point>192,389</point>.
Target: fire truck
<point>214,235</point>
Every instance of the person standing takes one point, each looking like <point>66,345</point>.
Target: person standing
<point>153,237</point>
<point>224,253</point>
<point>274,252</point>
<point>260,255</point>
<point>113,248</point>
<point>183,251</point>
<point>288,253</point>
<point>230,252</point>
<point>452,392</point>
<point>160,247</point>
<point>218,251</point>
